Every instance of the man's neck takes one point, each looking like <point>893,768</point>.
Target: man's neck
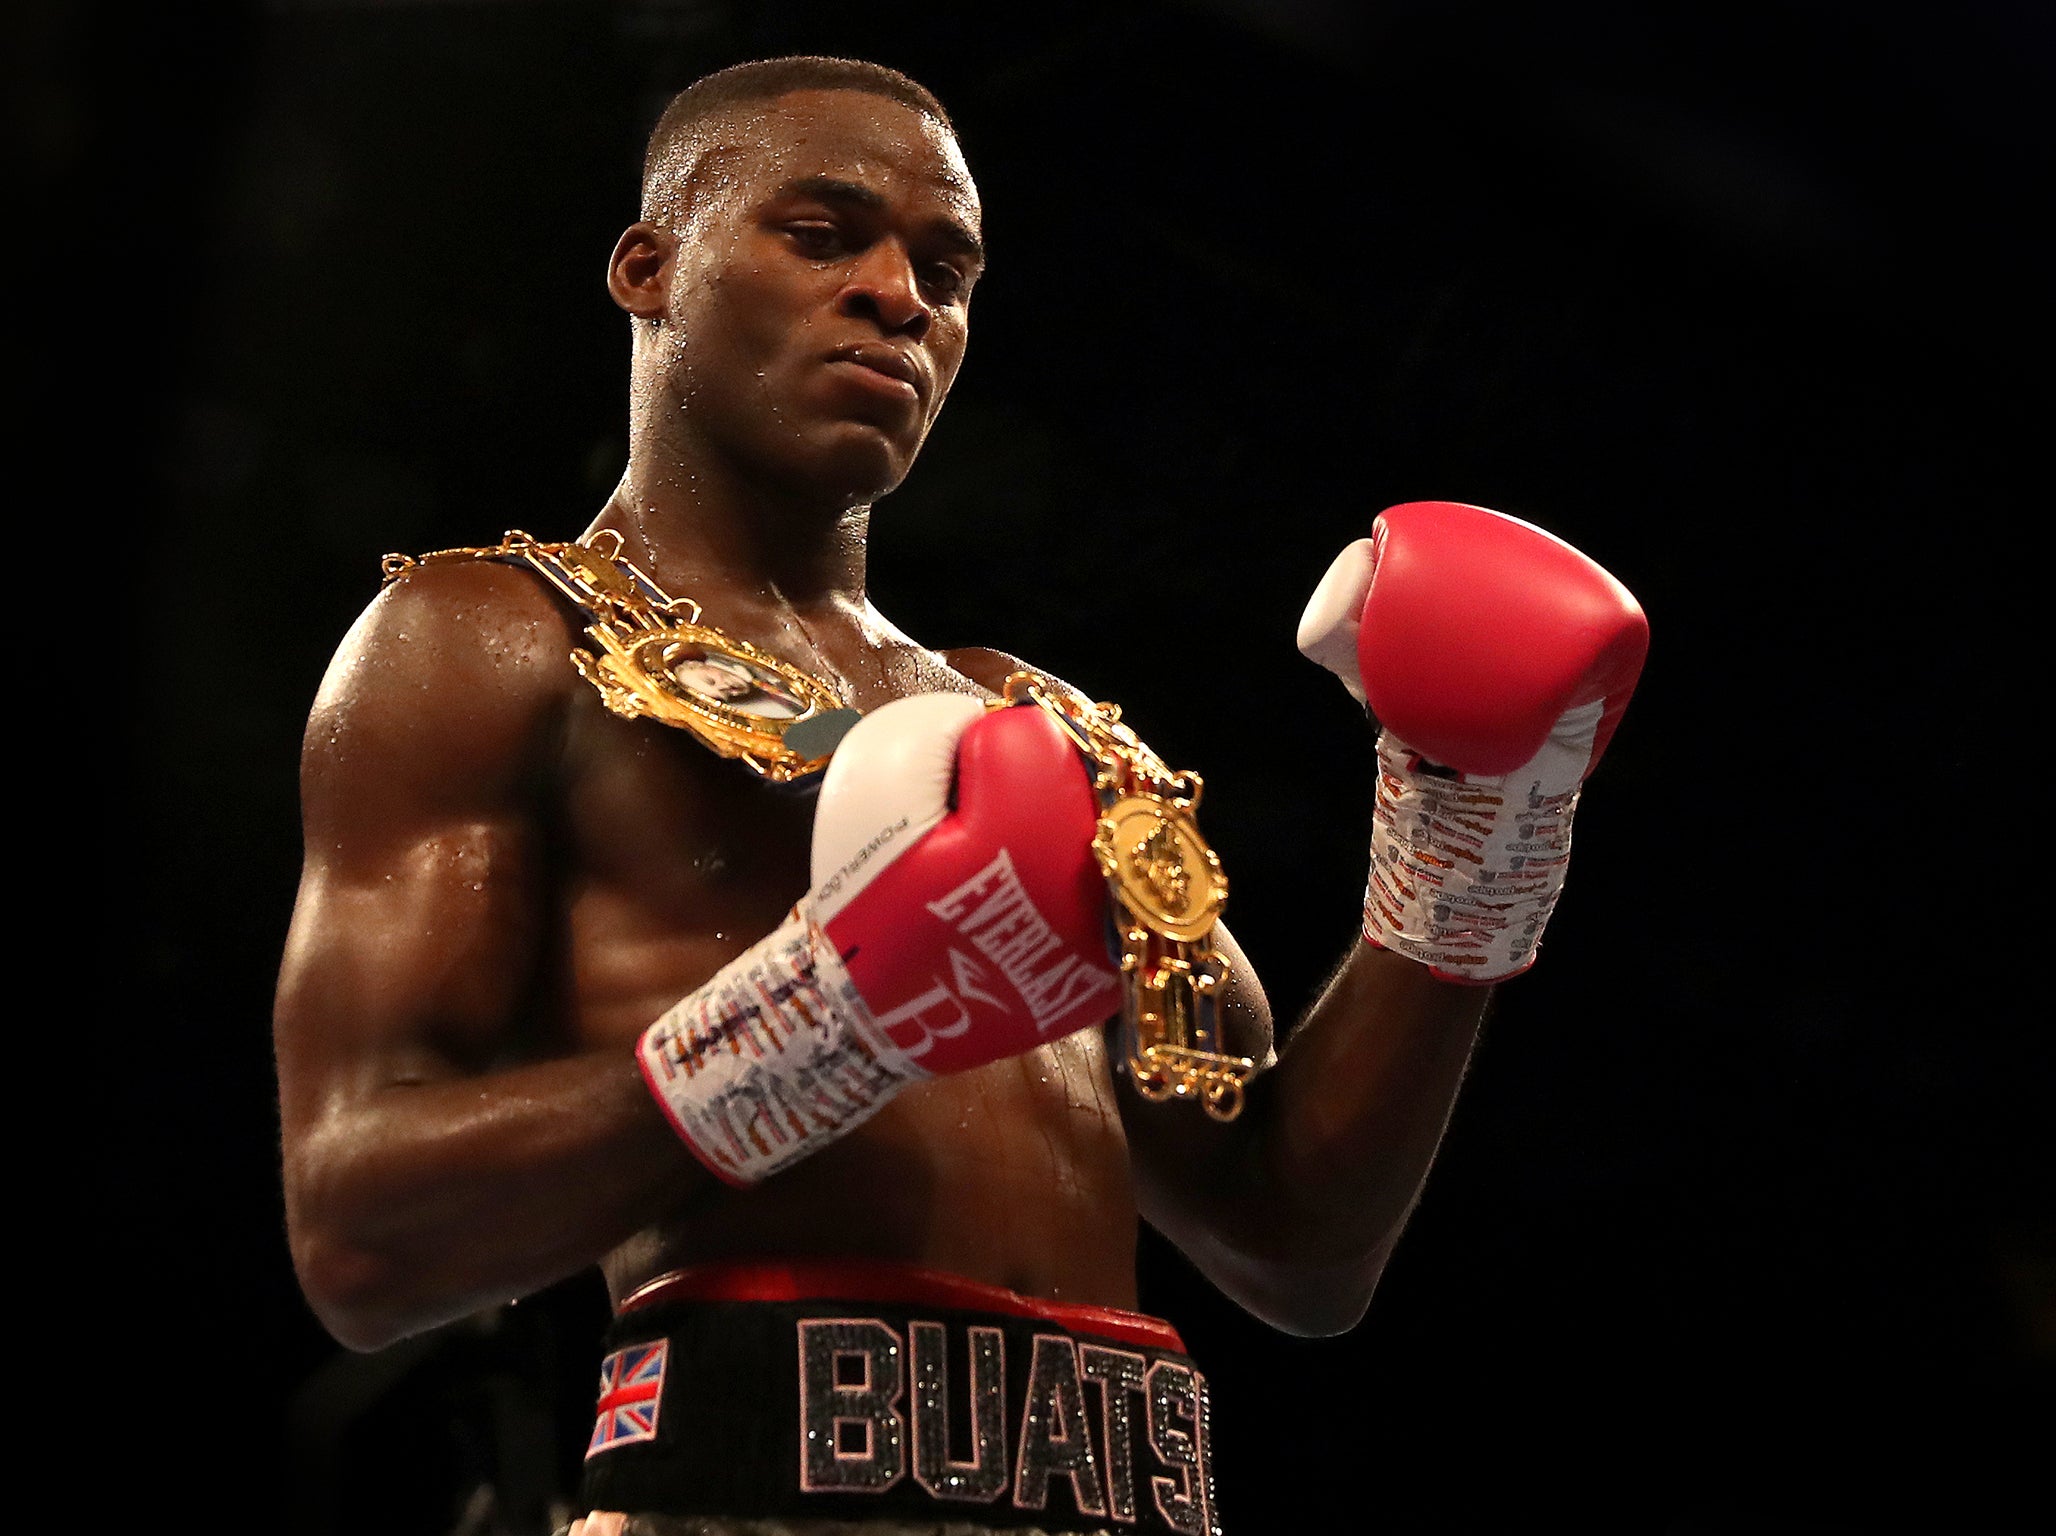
<point>698,533</point>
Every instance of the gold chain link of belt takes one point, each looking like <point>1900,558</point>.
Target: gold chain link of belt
<point>1167,891</point>
<point>654,659</point>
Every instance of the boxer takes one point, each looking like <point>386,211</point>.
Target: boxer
<point>813,1063</point>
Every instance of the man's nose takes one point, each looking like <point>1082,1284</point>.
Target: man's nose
<point>882,289</point>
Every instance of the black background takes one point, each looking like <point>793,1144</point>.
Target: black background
<point>1743,1222</point>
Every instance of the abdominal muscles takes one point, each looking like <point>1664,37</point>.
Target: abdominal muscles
<point>1013,1175</point>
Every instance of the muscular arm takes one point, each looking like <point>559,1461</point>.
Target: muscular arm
<point>1496,660</point>
<point>1294,1208</point>
<point>446,1145</point>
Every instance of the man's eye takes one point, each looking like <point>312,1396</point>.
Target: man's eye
<point>815,240</point>
<point>944,281</point>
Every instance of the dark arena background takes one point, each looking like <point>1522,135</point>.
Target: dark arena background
<point>1743,1223</point>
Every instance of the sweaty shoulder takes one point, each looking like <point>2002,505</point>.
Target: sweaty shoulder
<point>453,679</point>
<point>989,669</point>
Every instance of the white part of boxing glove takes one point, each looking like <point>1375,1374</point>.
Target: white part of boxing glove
<point>1498,660</point>
<point>956,916</point>
<point>1328,627</point>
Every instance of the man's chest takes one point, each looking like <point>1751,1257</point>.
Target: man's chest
<point>674,859</point>
<point>671,861</point>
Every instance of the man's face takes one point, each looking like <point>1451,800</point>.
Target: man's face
<point>819,298</point>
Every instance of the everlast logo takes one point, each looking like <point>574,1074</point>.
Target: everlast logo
<point>993,911</point>
<point>1125,1434</point>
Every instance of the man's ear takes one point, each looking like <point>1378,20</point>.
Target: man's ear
<point>639,272</point>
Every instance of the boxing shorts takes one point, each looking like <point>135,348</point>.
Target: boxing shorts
<point>876,1392</point>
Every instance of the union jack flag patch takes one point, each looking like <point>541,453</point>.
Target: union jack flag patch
<point>631,1385</point>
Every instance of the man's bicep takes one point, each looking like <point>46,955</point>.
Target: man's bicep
<point>414,938</point>
<point>1247,1028</point>
<point>1184,1159</point>
<point>430,959</point>
<point>1206,1186</point>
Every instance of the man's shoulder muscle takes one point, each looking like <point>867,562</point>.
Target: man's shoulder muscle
<point>451,681</point>
<point>988,668</point>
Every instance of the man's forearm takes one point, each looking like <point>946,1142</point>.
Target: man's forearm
<point>424,1202</point>
<point>1360,1098</point>
<point>1294,1208</point>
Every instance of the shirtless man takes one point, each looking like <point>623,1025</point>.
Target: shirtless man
<point>515,903</point>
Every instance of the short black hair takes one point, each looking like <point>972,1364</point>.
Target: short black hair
<point>761,80</point>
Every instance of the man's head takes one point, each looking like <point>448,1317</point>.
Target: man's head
<point>801,274</point>
<point>677,142</point>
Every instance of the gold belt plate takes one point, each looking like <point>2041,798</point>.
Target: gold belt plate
<point>1166,874</point>
<point>739,700</point>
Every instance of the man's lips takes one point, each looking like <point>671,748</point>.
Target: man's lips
<point>888,362</point>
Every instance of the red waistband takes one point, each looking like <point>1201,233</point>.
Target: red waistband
<point>879,1281</point>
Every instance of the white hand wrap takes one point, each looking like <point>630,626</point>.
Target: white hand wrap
<point>1466,868</point>
<point>773,1058</point>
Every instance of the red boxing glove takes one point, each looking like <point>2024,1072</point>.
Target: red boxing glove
<point>957,916</point>
<point>1499,655</point>
<point>988,937</point>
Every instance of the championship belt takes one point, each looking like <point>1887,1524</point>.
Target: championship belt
<point>1167,891</point>
<point>652,658</point>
